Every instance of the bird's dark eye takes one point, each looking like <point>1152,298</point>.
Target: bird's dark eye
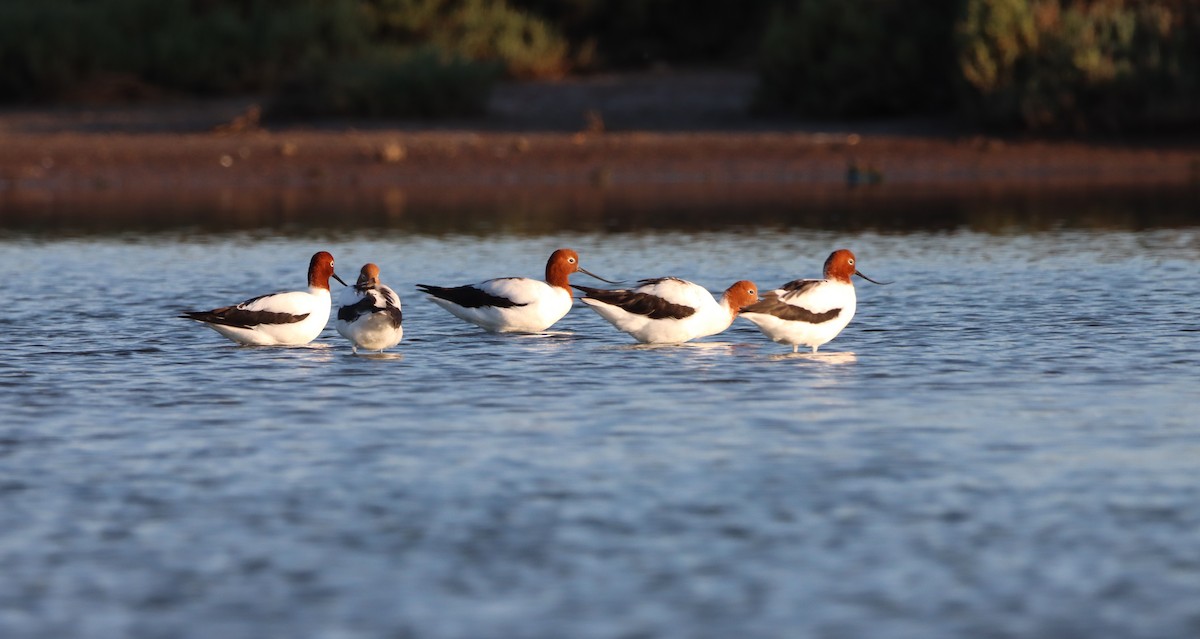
<point>571,260</point>
<point>851,262</point>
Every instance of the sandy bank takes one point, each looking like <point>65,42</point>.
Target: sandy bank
<point>639,133</point>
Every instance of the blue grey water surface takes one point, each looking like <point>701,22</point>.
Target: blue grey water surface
<point>1004,443</point>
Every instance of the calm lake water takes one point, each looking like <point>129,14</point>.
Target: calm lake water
<point>1003,443</point>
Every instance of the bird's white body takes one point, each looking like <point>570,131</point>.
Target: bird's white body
<point>513,304</point>
<point>822,309</point>
<point>663,311</point>
<point>535,305</point>
<point>281,319</point>
<point>370,317</point>
<point>313,304</point>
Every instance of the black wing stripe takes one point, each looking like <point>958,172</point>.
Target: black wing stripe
<point>467,296</point>
<point>358,309</point>
<point>797,287</point>
<point>658,280</point>
<point>394,315</point>
<point>240,318</point>
<point>636,303</point>
<point>785,311</point>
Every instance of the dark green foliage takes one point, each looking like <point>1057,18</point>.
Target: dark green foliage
<point>637,33</point>
<point>389,83</point>
<point>1076,66</point>
<point>51,48</point>
<point>858,58</point>
<point>34,55</point>
<point>377,56</point>
<point>1046,65</point>
<point>480,30</point>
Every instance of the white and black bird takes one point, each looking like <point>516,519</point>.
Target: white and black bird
<point>514,304</point>
<point>369,313</point>
<point>668,310</point>
<point>810,312</point>
<point>281,319</point>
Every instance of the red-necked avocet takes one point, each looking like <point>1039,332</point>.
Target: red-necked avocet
<point>369,313</point>
<point>809,312</point>
<point>514,304</point>
<point>282,319</point>
<point>668,310</point>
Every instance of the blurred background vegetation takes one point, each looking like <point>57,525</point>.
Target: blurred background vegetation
<point>1061,66</point>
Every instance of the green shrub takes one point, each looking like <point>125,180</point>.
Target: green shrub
<point>40,52</point>
<point>389,83</point>
<point>479,30</point>
<point>50,48</point>
<point>638,33</point>
<point>857,58</point>
<point>1105,64</point>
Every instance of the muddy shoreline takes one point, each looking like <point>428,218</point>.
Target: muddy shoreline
<point>679,138</point>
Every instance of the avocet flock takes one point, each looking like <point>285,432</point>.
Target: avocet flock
<point>665,310</point>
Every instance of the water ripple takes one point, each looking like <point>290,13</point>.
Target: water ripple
<point>1001,444</point>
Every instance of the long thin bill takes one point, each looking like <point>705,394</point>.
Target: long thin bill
<point>335,276</point>
<point>871,280</point>
<point>587,272</point>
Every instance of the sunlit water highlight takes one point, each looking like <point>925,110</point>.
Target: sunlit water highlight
<point>1004,443</point>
